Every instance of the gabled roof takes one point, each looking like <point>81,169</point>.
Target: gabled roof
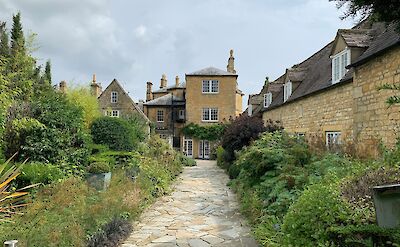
<point>166,100</point>
<point>356,37</point>
<point>211,71</point>
<point>387,39</point>
<point>182,85</point>
<point>115,82</point>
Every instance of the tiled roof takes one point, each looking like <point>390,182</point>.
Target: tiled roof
<point>356,37</point>
<point>385,40</point>
<point>166,100</point>
<point>211,71</point>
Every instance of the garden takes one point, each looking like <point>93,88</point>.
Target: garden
<point>69,176</point>
<point>293,196</point>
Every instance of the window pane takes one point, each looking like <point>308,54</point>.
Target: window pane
<point>214,114</point>
<point>206,86</point>
<point>160,116</point>
<point>206,114</point>
<point>114,97</point>
<point>215,87</point>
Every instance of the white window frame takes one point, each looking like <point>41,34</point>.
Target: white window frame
<point>210,86</point>
<point>209,115</point>
<point>160,116</point>
<point>337,135</point>
<point>114,97</point>
<point>267,99</point>
<point>339,63</point>
<point>287,90</point>
<point>115,113</point>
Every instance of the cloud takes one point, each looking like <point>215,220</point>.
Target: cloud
<point>136,41</point>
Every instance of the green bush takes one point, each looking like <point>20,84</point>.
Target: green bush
<point>49,129</point>
<point>186,161</point>
<point>36,172</point>
<point>99,167</point>
<point>309,218</point>
<point>113,132</point>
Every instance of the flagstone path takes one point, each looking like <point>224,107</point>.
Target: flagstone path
<point>202,211</point>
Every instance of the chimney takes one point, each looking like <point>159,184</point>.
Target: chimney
<point>149,93</point>
<point>163,83</point>
<point>231,63</point>
<point>63,86</point>
<point>95,87</point>
<point>177,81</point>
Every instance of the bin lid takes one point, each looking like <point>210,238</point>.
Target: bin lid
<point>386,187</point>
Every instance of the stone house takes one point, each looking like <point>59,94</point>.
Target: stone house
<point>114,101</point>
<point>209,96</point>
<point>332,97</point>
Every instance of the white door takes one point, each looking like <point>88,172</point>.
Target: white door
<point>201,153</point>
<point>204,149</point>
<point>188,147</point>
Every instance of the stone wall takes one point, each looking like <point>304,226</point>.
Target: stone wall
<point>374,122</point>
<point>316,114</point>
<point>225,100</point>
<point>124,104</point>
<point>357,109</point>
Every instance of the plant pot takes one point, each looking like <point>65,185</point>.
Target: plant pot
<point>99,181</point>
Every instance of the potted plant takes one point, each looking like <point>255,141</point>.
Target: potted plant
<point>99,176</point>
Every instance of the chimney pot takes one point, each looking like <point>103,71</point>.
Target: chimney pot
<point>163,82</point>
<point>177,81</point>
<point>231,63</point>
<point>149,93</point>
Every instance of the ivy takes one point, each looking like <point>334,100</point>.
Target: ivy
<point>210,133</point>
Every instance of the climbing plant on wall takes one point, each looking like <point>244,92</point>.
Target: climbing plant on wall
<point>210,133</point>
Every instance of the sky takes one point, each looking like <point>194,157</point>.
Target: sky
<point>137,41</point>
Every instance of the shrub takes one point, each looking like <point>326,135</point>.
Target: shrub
<point>36,172</point>
<point>239,133</point>
<point>111,233</point>
<point>186,161</point>
<point>309,218</point>
<point>49,129</point>
<point>113,132</point>
<point>99,167</point>
<point>82,97</point>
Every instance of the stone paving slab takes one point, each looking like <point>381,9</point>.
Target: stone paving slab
<point>202,211</point>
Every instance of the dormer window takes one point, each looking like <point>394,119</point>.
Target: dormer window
<point>210,86</point>
<point>267,99</point>
<point>287,91</point>
<point>114,97</point>
<point>339,63</point>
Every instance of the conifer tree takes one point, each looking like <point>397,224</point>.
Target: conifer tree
<point>47,72</point>
<point>4,42</point>
<point>17,35</point>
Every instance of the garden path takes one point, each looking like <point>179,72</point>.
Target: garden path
<point>202,211</point>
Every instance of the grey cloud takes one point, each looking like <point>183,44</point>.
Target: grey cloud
<point>136,41</point>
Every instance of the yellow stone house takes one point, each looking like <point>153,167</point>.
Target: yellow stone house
<point>209,96</point>
<point>332,97</point>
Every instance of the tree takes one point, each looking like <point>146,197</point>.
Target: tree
<point>17,35</point>
<point>47,73</point>
<point>242,131</point>
<point>83,98</point>
<point>4,42</point>
<point>379,10</point>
